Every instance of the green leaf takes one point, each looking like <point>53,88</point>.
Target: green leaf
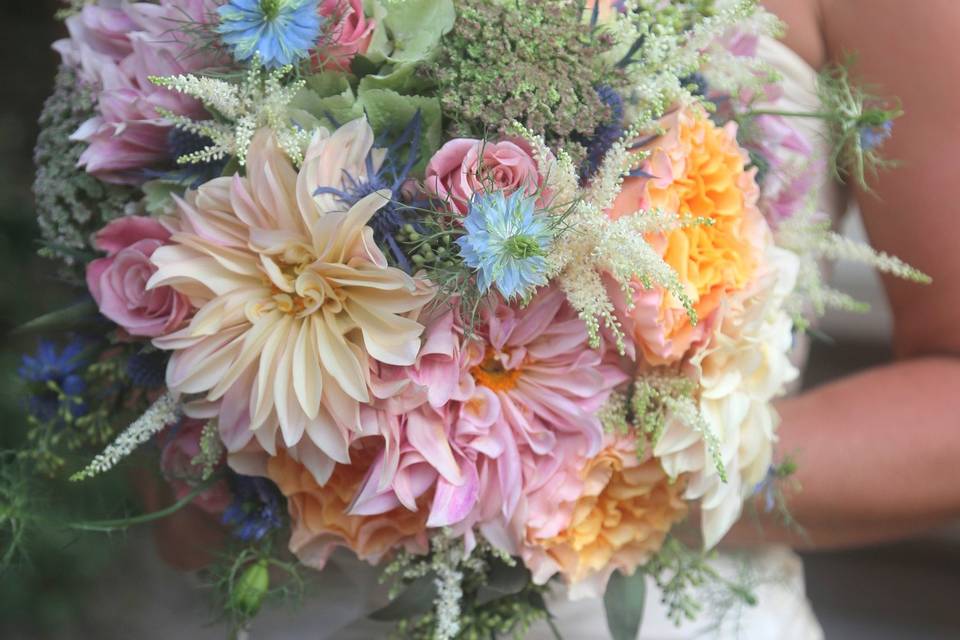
<point>80,314</point>
<point>416,600</point>
<point>417,26</point>
<point>503,580</point>
<point>623,602</point>
<point>390,113</point>
<point>157,195</point>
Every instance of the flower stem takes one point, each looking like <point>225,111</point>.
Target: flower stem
<point>786,114</point>
<point>106,526</point>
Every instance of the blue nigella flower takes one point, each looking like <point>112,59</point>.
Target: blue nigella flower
<point>872,137</point>
<point>280,31</point>
<point>606,134</point>
<point>506,242</point>
<point>51,367</point>
<point>256,510</point>
<point>391,174</point>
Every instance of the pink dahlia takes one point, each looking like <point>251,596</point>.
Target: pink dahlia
<point>117,50</point>
<point>509,412</point>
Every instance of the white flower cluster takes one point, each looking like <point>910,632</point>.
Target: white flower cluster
<point>743,368</point>
<point>162,413</point>
<point>261,100</point>
<point>808,235</point>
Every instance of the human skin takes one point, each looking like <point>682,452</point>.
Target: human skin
<point>879,452</point>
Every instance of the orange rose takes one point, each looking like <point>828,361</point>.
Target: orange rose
<point>320,520</point>
<point>699,172</point>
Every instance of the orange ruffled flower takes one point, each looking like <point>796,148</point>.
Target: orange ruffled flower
<point>699,171</point>
<point>627,508</point>
<point>320,520</point>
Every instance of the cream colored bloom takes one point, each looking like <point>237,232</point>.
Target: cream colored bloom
<point>292,297</point>
<point>744,367</point>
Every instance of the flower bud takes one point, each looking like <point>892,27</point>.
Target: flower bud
<point>250,589</point>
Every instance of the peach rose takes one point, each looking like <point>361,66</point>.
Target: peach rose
<point>118,282</point>
<point>698,171</point>
<point>620,520</point>
<point>320,517</point>
<point>464,166</point>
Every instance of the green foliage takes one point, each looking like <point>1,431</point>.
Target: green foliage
<point>449,595</point>
<point>623,602</point>
<point>533,63</point>
<point>71,204</point>
<point>852,110</point>
<point>682,573</point>
<point>330,100</point>
<point>246,577</point>
<point>49,443</point>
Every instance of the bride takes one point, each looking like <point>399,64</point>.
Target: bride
<point>877,451</point>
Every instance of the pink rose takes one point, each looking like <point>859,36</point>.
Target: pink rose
<point>119,282</point>
<point>350,35</point>
<point>463,167</point>
<point>176,462</point>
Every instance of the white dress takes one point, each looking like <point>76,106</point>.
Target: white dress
<point>783,611</point>
<point>349,589</point>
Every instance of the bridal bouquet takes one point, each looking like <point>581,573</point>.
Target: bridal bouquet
<point>490,292</point>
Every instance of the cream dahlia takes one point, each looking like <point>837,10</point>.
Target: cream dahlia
<point>292,296</point>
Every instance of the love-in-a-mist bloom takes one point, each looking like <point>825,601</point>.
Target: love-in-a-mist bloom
<point>280,32</point>
<point>506,242</point>
<point>293,298</point>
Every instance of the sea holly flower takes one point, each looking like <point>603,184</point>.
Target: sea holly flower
<point>281,31</point>
<point>506,243</point>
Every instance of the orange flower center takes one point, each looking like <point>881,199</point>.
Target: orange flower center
<point>491,374</point>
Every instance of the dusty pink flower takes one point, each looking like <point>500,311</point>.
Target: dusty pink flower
<point>465,166</point>
<point>117,50</point>
<point>350,34</point>
<point>510,412</point>
<point>177,463</point>
<point>118,282</point>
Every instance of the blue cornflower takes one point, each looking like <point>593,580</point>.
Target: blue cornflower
<point>390,174</point>
<point>606,134</point>
<point>506,242</point>
<point>51,370</point>
<point>256,510</point>
<point>871,137</point>
<point>280,31</point>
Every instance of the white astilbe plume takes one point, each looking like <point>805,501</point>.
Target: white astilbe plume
<point>162,413</point>
<point>260,100</point>
<point>594,246</point>
<point>809,235</point>
<point>660,54</point>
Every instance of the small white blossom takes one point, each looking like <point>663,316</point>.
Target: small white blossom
<point>162,413</point>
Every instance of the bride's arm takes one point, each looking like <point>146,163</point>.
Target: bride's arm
<point>879,452</point>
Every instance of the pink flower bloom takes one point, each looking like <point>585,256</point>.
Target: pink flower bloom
<point>511,412</point>
<point>349,36</point>
<point>176,461</point>
<point>117,50</point>
<point>465,166</point>
<point>118,282</point>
